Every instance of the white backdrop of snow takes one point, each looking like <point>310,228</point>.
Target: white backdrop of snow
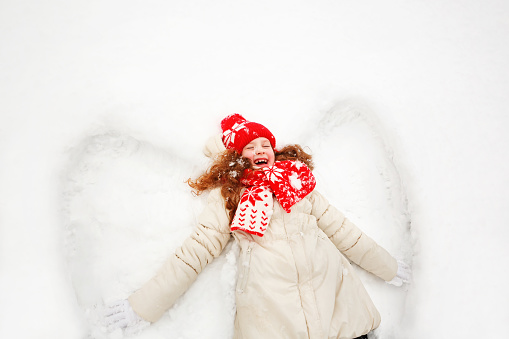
<point>428,79</point>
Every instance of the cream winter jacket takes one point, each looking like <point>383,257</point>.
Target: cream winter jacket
<point>294,282</point>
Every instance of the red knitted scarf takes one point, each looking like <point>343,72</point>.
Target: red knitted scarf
<point>290,181</point>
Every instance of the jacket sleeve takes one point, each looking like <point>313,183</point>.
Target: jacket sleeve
<point>181,269</point>
<point>351,241</point>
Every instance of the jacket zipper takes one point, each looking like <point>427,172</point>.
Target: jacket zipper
<point>246,262</point>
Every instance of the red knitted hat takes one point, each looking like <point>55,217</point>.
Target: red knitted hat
<point>238,132</point>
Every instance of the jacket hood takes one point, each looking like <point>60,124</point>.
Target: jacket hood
<point>214,146</point>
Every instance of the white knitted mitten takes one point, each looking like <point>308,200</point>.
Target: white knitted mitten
<point>402,276</point>
<point>121,315</point>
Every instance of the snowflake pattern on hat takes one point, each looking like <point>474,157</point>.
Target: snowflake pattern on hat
<point>238,132</point>
<point>229,134</point>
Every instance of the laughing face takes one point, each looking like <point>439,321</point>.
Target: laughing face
<point>259,152</point>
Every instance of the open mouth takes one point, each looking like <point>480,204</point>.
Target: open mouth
<point>261,162</point>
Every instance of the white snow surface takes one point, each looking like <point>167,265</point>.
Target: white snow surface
<point>106,105</point>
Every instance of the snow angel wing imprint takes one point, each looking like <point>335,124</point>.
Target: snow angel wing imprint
<point>355,157</point>
<point>127,208</point>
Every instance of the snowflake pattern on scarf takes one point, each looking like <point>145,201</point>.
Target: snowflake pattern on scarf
<point>289,181</point>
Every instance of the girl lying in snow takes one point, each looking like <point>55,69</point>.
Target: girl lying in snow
<point>292,280</point>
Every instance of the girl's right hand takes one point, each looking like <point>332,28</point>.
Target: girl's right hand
<point>120,315</point>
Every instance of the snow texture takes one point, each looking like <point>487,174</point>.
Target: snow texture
<point>105,108</point>
<point>128,209</point>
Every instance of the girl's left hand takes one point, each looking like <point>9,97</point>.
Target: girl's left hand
<point>403,275</point>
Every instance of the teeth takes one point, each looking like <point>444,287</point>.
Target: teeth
<point>260,162</point>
